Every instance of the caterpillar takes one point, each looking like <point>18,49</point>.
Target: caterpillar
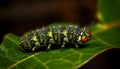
<point>54,36</point>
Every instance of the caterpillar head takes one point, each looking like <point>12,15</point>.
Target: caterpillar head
<point>84,36</point>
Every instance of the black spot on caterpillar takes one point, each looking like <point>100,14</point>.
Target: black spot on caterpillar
<point>54,36</point>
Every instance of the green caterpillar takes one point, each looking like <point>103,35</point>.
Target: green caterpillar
<point>54,36</point>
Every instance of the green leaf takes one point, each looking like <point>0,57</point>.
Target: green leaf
<point>104,38</point>
<point>109,10</point>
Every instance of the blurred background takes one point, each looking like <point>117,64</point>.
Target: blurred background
<point>21,16</point>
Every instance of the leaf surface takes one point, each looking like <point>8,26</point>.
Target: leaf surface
<point>104,37</point>
<point>109,10</point>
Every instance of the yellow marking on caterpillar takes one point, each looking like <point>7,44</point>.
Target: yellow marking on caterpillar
<point>50,34</point>
<point>65,32</point>
<point>34,38</point>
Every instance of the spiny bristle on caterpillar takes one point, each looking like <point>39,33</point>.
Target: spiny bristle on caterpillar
<point>54,36</point>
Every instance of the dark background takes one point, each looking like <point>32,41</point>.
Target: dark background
<point>21,16</point>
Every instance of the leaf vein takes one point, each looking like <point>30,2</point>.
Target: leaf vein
<point>104,42</point>
<point>67,61</point>
<point>12,39</point>
<point>41,62</point>
<point>15,64</point>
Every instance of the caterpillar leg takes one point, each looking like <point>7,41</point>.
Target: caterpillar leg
<point>33,49</point>
<point>76,46</point>
<point>63,45</point>
<point>36,45</point>
<point>49,46</point>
